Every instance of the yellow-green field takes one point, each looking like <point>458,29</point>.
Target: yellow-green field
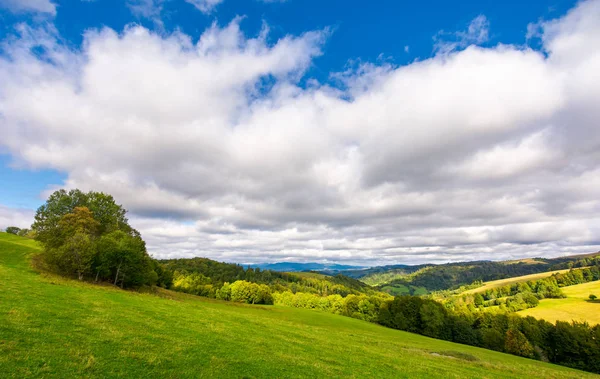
<point>518,279</point>
<point>59,328</point>
<point>575,307</point>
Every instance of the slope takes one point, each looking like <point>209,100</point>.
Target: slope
<point>575,307</point>
<point>53,327</point>
<point>518,279</point>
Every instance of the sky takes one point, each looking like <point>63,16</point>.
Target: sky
<point>311,131</point>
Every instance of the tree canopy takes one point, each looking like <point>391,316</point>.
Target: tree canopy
<point>88,235</point>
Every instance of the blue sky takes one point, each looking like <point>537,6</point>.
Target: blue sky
<point>389,132</point>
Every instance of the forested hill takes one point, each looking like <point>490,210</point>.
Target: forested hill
<point>408,279</point>
<point>206,275</point>
<point>311,266</point>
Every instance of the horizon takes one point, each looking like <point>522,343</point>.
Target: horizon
<point>300,132</point>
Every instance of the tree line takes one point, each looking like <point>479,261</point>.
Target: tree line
<point>573,344</point>
<point>518,296</point>
<point>454,275</point>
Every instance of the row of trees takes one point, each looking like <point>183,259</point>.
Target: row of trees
<point>86,235</point>
<point>21,232</point>
<point>571,344</point>
<point>363,307</point>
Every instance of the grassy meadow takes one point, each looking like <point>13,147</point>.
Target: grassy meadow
<point>55,327</point>
<point>576,307</point>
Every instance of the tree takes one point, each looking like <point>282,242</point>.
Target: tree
<point>72,247</point>
<point>478,300</point>
<point>103,207</point>
<point>123,260</point>
<point>492,339</point>
<point>432,318</point>
<point>13,230</point>
<point>593,297</point>
<point>516,343</point>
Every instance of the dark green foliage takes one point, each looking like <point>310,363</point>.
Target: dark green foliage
<point>13,230</point>
<point>517,344</point>
<point>571,344</point>
<point>122,259</point>
<point>492,339</point>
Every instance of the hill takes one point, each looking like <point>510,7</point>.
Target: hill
<point>517,279</point>
<point>311,266</point>
<point>423,278</point>
<point>55,327</point>
<point>203,276</point>
<point>575,307</point>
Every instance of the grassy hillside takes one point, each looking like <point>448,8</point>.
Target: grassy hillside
<point>53,327</point>
<point>575,307</point>
<point>518,279</point>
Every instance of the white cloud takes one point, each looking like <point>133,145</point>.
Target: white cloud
<point>218,151</point>
<point>204,6</point>
<point>40,6</point>
<point>18,217</point>
<point>476,34</point>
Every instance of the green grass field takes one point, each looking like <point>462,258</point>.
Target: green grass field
<point>517,279</point>
<point>53,327</point>
<point>575,307</point>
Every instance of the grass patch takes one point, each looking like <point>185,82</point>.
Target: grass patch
<point>458,355</point>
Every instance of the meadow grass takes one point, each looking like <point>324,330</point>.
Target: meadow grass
<point>575,307</point>
<point>518,279</point>
<point>56,327</point>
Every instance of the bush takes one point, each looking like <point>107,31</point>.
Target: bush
<point>13,230</point>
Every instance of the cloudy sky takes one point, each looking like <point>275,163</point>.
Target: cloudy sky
<point>268,131</point>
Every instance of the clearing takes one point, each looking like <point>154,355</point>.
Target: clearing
<point>525,278</point>
<point>576,307</point>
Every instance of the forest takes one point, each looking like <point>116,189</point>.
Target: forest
<point>87,236</point>
<point>454,275</point>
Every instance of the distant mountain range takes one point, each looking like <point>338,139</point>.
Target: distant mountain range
<point>299,267</point>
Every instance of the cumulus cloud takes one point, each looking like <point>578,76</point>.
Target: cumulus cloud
<point>218,150</point>
<point>39,6</point>
<point>18,217</point>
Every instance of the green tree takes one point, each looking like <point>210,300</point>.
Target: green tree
<point>123,260</point>
<point>478,300</point>
<point>593,297</point>
<point>73,246</point>
<point>492,339</point>
<point>105,210</point>
<point>516,343</point>
<point>13,230</point>
<point>432,319</point>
